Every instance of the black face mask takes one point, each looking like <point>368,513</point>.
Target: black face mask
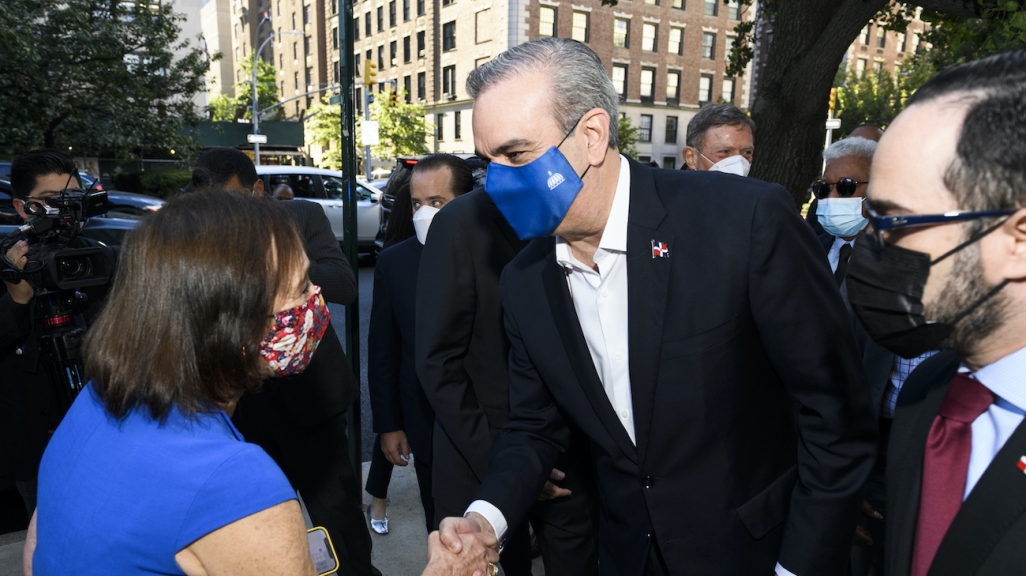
<point>885,288</point>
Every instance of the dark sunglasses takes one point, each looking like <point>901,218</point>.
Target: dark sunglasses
<point>845,187</point>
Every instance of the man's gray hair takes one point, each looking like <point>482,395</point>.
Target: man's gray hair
<point>852,146</point>
<point>711,116</point>
<point>578,80</point>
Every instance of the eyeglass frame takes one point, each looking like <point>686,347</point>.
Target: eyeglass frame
<point>881,224</point>
<point>818,183</point>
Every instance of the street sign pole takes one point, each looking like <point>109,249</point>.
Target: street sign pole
<point>348,128</point>
<point>366,117</point>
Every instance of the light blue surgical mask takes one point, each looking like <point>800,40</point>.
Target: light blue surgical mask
<point>841,217</point>
<point>535,197</point>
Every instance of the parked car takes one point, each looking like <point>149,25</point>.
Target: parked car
<point>326,187</point>
<point>478,166</point>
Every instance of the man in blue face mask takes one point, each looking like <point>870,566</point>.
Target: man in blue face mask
<point>661,311</point>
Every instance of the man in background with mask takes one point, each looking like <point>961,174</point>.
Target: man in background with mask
<point>720,138</point>
<point>402,416</point>
<point>840,211</point>
<point>462,360</point>
<point>943,264</point>
<point>665,324</point>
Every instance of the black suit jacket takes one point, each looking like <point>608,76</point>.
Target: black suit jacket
<point>461,348</point>
<point>396,396</point>
<point>724,362</point>
<point>877,360</point>
<point>987,535</point>
<point>327,387</point>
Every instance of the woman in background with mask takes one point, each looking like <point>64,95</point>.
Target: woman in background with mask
<point>147,474</point>
<point>402,415</point>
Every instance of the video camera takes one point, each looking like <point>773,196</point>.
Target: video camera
<point>52,265</point>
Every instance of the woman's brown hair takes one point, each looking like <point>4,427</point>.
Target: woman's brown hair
<point>191,303</point>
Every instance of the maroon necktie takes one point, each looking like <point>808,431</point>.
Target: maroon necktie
<point>945,465</point>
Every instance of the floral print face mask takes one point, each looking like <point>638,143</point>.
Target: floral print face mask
<point>291,343</point>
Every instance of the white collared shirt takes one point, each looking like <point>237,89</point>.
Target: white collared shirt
<point>1006,378</point>
<point>834,255</point>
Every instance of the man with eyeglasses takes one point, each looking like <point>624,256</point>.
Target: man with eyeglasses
<point>943,265</point>
<point>840,211</point>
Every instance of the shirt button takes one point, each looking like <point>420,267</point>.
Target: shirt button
<point>648,482</point>
<point>619,355</point>
<point>624,414</point>
<point>605,294</point>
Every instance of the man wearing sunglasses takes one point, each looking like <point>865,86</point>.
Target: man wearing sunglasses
<point>943,264</point>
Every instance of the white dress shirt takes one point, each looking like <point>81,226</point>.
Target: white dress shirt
<point>834,255</point>
<point>1006,379</point>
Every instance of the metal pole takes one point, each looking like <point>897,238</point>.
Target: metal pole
<point>366,116</point>
<point>349,173</point>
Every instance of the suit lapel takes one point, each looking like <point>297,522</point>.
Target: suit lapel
<point>996,502</point>
<point>569,326</point>
<point>648,280</point>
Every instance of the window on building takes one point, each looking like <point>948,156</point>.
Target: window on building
<point>728,48</point>
<point>406,10</point>
<point>391,14</point>
<point>421,86</point>
<point>728,90</point>
<point>915,43</point>
<point>712,7</point>
<point>420,44</point>
<point>293,21</point>
<point>369,56</point>
<point>860,67</point>
<point>407,89</point>
<point>439,127</point>
<point>705,88</point>
<point>708,45</point>
<point>295,77</point>
<point>335,72</point>
<point>669,162</point>
<point>644,159</point>
<point>671,130</point>
<point>367,24</point>
<point>878,67</point>
<point>864,36</point>
<point>620,80</point>
<point>334,8</point>
<point>278,9</point>
<point>649,37</point>
<point>420,7</point>
<point>457,126</point>
<point>381,57</point>
<point>407,53</point>
<point>306,45</point>
<point>480,62</point>
<point>647,84</point>
<point>306,14</point>
<point>580,27</point>
<point>901,41</point>
<point>334,38</point>
<point>381,87</point>
<point>449,36</point>
<point>673,87</point>
<point>481,26</point>
<point>676,45</point>
<point>449,81</point>
<point>393,53</point>
<point>447,2</point>
<point>733,10</point>
<point>881,37</point>
<point>621,33</point>
<point>546,21</point>
<point>381,18</point>
<point>679,4</point>
<point>309,76</point>
<point>295,50</point>
<point>645,131</point>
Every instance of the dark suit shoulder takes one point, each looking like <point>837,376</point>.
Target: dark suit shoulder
<point>684,187</point>
<point>932,373</point>
<point>473,208</point>
<point>400,254</point>
<point>827,240</point>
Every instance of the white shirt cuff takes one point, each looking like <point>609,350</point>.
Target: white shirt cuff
<point>495,518</point>
<point>781,571</point>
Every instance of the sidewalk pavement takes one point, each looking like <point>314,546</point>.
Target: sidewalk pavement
<point>401,552</point>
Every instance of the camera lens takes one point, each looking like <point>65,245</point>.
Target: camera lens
<point>73,268</point>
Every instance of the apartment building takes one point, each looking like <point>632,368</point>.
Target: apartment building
<point>877,49</point>
<point>666,57</point>
<point>301,59</point>
<point>216,22</point>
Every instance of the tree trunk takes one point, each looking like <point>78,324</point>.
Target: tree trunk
<point>810,38</point>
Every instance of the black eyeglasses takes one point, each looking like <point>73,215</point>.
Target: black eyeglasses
<point>879,224</point>
<point>845,187</point>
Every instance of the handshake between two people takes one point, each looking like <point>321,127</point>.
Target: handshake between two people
<point>468,546</point>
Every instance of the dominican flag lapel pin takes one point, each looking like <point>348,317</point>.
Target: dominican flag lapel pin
<point>660,249</point>
<point>1022,464</point>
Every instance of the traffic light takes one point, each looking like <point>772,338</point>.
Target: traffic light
<point>833,99</point>
<point>393,99</point>
<point>370,73</point>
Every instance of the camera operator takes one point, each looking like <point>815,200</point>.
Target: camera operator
<point>27,412</point>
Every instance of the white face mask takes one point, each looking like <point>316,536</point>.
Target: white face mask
<point>422,221</point>
<point>738,165</point>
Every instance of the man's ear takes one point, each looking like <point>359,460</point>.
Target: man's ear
<point>595,129</point>
<point>19,205</point>
<point>1015,230</point>
<point>691,157</point>
<point>258,188</point>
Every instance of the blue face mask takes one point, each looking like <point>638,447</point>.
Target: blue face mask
<point>841,217</point>
<point>535,197</point>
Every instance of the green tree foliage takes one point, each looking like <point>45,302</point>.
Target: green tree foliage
<point>324,128</point>
<point>95,75</point>
<point>222,108</point>
<point>1002,25</point>
<point>267,88</point>
<point>627,137</point>
<point>402,129</point>
<point>877,97</point>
